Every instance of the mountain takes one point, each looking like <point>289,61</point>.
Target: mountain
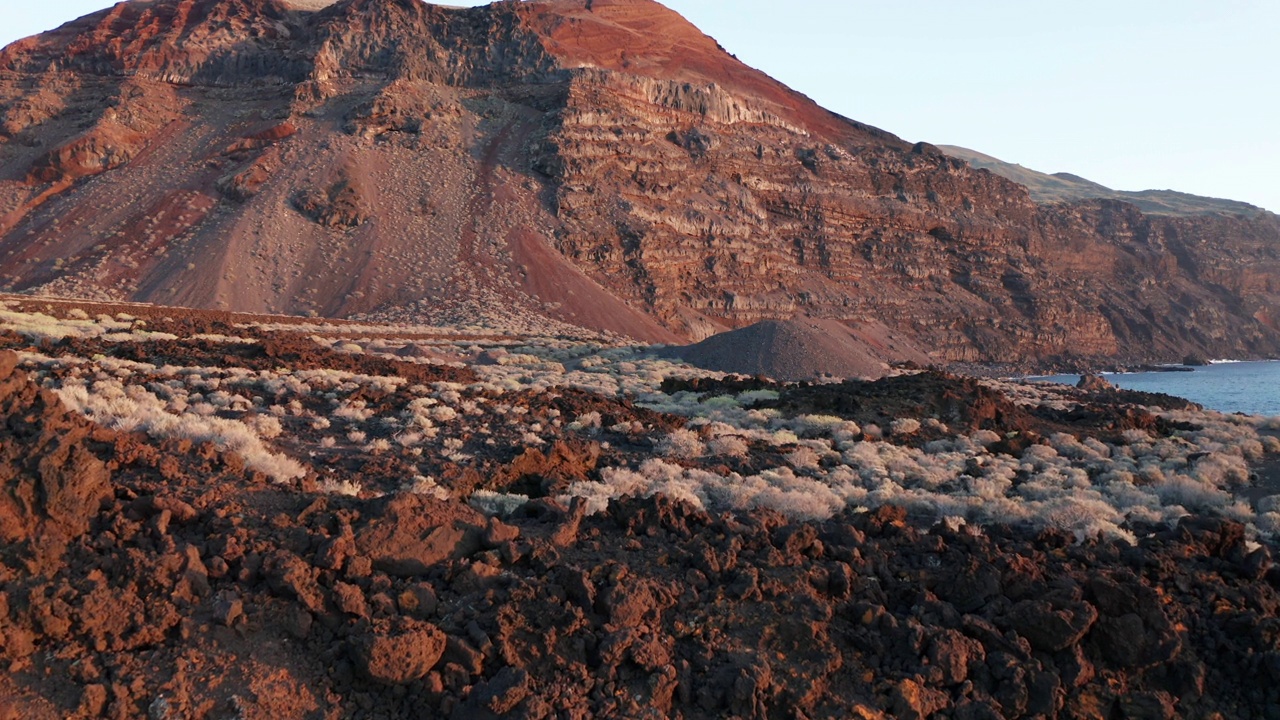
<point>1066,187</point>
<point>597,163</point>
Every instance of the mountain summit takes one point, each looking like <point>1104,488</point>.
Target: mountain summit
<point>595,163</point>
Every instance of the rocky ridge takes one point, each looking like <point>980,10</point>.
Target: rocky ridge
<point>602,164</point>
<point>1067,187</point>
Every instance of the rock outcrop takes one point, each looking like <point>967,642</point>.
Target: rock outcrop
<point>602,164</point>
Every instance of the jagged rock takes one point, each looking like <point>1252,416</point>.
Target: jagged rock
<point>913,701</point>
<point>953,653</point>
<point>350,599</point>
<point>498,696</point>
<point>290,575</point>
<point>1053,624</point>
<point>1128,642</point>
<point>395,652</point>
<point>417,532</point>
<point>228,608</point>
<point>51,486</point>
<point>1148,706</point>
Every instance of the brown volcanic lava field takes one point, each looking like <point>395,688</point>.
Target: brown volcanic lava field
<point>213,516</point>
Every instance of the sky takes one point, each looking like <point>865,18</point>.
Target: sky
<point>1134,94</point>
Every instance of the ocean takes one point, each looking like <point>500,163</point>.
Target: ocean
<point>1247,387</point>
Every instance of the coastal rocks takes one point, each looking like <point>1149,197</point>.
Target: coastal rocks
<point>1094,383</point>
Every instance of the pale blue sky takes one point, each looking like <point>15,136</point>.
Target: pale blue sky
<point>1133,94</point>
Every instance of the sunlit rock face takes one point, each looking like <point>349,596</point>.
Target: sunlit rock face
<point>602,164</point>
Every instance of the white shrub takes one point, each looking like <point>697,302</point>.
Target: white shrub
<point>803,458</point>
<point>409,438</point>
<point>586,421</point>
<point>783,437</point>
<point>266,426</point>
<point>817,424</point>
<point>985,438</point>
<point>681,443</point>
<point>728,446</point>
<point>353,411</point>
<point>426,485</point>
<point>1135,437</point>
<point>144,412</point>
<point>1268,523</point>
<point>331,486</point>
<point>1270,503</point>
<point>443,413</point>
<point>751,397</point>
<point>1040,455</point>
<point>1191,493</point>
<point>904,426</point>
<point>1221,470</point>
<point>496,504</point>
<point>845,431</point>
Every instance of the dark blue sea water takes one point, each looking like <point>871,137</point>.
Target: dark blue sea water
<point>1248,387</point>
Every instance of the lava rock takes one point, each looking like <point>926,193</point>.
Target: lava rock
<point>395,652</point>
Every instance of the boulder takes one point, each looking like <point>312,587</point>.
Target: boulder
<point>399,651</point>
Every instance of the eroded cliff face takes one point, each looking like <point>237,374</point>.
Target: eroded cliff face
<point>598,163</point>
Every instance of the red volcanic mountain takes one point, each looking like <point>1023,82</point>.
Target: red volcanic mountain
<point>600,163</point>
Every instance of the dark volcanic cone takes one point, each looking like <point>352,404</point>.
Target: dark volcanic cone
<point>801,349</point>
